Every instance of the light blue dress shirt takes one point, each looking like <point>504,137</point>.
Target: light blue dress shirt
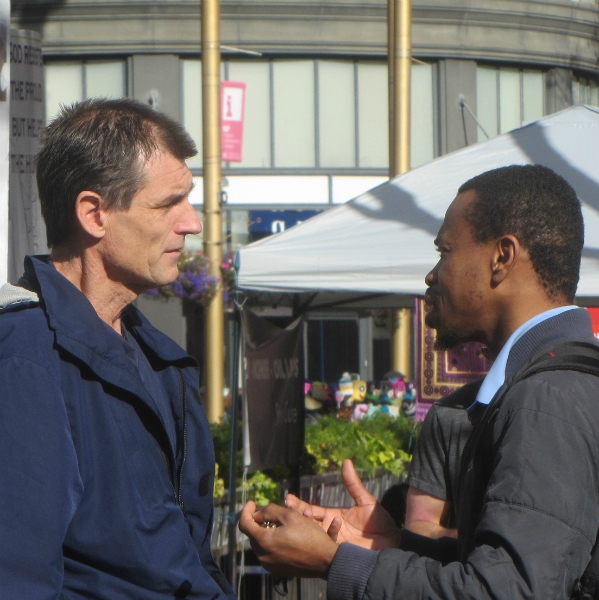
<point>496,375</point>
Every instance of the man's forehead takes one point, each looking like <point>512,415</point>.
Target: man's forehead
<point>455,214</point>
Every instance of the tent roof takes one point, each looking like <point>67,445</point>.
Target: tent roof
<point>382,241</point>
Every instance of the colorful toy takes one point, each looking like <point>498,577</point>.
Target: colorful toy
<point>346,388</point>
<point>360,411</point>
<point>359,391</point>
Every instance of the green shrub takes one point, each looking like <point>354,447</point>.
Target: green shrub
<point>378,442</point>
<point>374,443</point>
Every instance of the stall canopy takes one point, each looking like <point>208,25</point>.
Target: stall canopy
<point>380,245</point>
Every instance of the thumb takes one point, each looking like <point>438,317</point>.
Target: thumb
<point>354,485</point>
<point>246,517</point>
<point>334,528</point>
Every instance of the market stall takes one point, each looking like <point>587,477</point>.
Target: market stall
<point>379,246</point>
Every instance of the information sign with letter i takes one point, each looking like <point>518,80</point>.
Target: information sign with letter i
<point>232,114</point>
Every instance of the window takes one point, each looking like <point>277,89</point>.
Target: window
<point>73,81</point>
<point>506,98</point>
<point>316,114</point>
<point>584,90</point>
<point>257,130</point>
<point>293,100</point>
<point>336,113</point>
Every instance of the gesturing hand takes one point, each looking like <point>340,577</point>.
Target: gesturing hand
<point>366,524</point>
<point>295,547</point>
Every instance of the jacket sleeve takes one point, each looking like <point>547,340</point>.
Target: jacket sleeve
<point>40,485</point>
<point>540,512</point>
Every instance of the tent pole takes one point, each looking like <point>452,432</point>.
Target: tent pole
<point>232,514</point>
<point>399,15</point>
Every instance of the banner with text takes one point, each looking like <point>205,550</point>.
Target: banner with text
<point>232,115</point>
<point>273,392</point>
<point>27,232</point>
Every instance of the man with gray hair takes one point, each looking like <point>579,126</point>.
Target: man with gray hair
<point>107,466</point>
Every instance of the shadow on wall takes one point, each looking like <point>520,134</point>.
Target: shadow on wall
<point>33,14</point>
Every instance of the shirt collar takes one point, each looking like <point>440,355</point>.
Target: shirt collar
<point>496,375</point>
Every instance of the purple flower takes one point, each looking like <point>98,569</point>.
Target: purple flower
<point>178,288</point>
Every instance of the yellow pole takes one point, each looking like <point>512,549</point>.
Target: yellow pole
<point>400,65</point>
<point>391,72</point>
<point>214,322</point>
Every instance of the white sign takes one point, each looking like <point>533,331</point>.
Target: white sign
<point>27,233</point>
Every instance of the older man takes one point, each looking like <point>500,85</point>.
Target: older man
<point>107,463</point>
<point>527,503</point>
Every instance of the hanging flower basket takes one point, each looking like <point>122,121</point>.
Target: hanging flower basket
<point>194,284</point>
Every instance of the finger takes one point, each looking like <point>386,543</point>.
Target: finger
<point>273,513</point>
<point>311,511</point>
<point>354,485</point>
<point>294,503</point>
<point>308,512</point>
<point>319,513</point>
<point>334,528</point>
<point>249,519</point>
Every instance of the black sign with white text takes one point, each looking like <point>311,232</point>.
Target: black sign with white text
<point>274,392</point>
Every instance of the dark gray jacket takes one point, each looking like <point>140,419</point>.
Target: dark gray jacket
<point>540,510</point>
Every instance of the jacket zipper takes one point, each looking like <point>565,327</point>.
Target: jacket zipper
<point>179,495</point>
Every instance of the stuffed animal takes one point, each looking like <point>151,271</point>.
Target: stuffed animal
<point>346,389</point>
<point>359,391</point>
<point>360,411</point>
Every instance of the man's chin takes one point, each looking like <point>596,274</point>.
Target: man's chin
<point>446,340</point>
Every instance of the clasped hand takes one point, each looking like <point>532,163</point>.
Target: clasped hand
<point>305,540</point>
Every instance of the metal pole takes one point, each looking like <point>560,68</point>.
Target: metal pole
<point>214,322</point>
<point>391,75</point>
<point>400,65</point>
<point>231,517</point>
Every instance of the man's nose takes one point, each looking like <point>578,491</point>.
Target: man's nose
<point>431,277</point>
<point>190,222</point>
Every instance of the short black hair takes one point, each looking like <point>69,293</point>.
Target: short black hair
<point>101,145</point>
<point>542,210</point>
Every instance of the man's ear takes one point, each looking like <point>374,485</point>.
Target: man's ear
<point>505,256</point>
<point>89,211</point>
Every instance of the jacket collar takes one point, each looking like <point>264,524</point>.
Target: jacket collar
<point>79,331</point>
<point>75,321</point>
<point>570,325</point>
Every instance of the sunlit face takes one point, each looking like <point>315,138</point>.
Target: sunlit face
<point>458,285</point>
<point>142,244</point>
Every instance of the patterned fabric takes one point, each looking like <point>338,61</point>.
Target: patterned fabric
<point>441,373</point>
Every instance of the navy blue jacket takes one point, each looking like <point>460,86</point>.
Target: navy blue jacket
<point>99,497</point>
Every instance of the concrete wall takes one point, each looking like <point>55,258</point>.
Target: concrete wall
<point>554,33</point>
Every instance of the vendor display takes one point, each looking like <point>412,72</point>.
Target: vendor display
<point>355,399</point>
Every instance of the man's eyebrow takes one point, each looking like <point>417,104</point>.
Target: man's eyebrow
<point>178,196</point>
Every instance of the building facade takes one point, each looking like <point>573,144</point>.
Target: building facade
<point>316,106</point>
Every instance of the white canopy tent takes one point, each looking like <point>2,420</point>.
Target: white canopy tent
<point>381,243</point>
